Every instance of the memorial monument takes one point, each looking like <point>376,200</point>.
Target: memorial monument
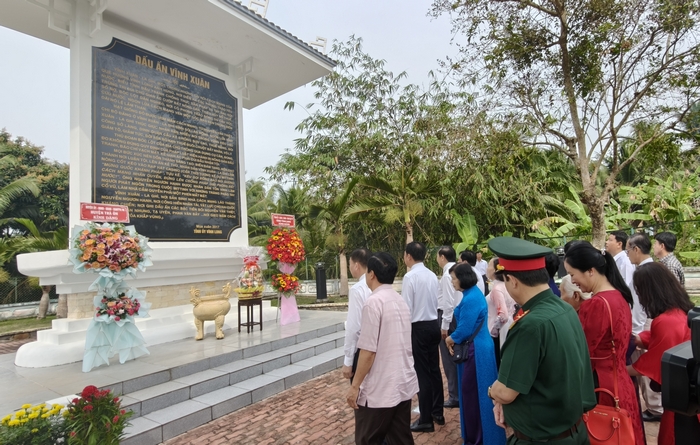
<point>157,92</point>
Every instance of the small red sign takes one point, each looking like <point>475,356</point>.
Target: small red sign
<point>280,220</point>
<point>104,212</point>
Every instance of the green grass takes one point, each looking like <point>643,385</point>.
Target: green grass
<point>24,324</point>
<point>312,300</point>
<point>695,299</point>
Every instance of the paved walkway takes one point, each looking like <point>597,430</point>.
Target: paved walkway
<point>313,413</point>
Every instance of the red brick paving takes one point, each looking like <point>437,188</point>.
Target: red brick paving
<point>313,413</point>
<point>8,347</point>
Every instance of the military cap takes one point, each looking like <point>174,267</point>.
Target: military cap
<point>518,255</point>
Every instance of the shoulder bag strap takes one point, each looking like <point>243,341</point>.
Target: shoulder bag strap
<point>471,339</point>
<point>613,354</point>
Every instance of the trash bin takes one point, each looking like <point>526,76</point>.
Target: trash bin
<point>321,292</point>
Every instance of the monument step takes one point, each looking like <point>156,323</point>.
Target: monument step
<point>178,415</point>
<point>195,379</point>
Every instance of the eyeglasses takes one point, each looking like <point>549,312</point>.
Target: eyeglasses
<point>630,248</point>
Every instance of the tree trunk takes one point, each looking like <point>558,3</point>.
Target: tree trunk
<point>409,232</point>
<point>44,302</point>
<point>62,308</point>
<point>343,274</point>
<point>596,210</point>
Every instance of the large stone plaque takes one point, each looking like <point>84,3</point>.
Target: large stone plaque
<point>165,144</point>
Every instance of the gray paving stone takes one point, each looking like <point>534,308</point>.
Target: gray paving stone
<point>306,336</point>
<point>302,355</point>
<point>142,431</point>
<point>145,381</point>
<point>226,400</point>
<point>327,330</point>
<point>210,385</point>
<point>190,368</point>
<point>277,363</point>
<point>116,388</point>
<point>325,347</point>
<point>181,417</point>
<point>283,342</point>
<point>236,366</point>
<point>325,367</point>
<point>131,404</point>
<point>222,359</point>
<point>161,396</point>
<point>245,373</point>
<point>293,375</point>
<point>256,350</point>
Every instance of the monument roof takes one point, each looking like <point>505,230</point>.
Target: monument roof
<point>219,33</point>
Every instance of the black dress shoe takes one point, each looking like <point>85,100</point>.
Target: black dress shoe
<point>451,404</point>
<point>649,417</point>
<point>422,427</point>
<point>440,420</point>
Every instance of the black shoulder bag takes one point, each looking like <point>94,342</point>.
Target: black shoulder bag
<point>461,350</point>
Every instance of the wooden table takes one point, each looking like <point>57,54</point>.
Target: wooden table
<point>250,316</point>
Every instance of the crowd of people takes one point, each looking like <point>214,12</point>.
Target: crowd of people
<point>526,361</point>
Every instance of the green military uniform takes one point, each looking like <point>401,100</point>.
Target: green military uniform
<point>545,359</point>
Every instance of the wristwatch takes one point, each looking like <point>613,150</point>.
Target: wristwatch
<point>489,393</point>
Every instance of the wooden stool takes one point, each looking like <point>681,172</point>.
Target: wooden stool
<point>250,317</point>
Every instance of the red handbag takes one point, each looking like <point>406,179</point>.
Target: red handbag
<point>609,425</point>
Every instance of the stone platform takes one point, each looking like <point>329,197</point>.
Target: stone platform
<point>186,383</point>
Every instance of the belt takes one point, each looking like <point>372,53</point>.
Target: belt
<point>568,433</point>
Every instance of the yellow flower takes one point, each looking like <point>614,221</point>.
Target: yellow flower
<point>57,406</point>
<point>66,413</point>
<point>26,406</point>
<point>20,413</point>
<point>13,422</point>
<point>35,430</point>
<point>45,415</point>
<point>33,415</point>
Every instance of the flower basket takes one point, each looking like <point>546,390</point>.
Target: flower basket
<point>250,280</point>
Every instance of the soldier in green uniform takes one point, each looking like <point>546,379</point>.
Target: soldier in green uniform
<point>545,382</point>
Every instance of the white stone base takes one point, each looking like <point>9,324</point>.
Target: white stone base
<point>65,341</point>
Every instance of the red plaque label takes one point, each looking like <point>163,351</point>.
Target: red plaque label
<point>104,212</point>
<point>280,220</point>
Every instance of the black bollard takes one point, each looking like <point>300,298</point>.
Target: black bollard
<point>321,292</point>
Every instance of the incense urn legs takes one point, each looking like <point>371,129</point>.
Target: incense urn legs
<point>210,308</point>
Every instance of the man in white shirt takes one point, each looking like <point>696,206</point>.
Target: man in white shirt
<point>448,299</point>
<point>468,256</point>
<point>357,296</point>
<point>481,270</point>
<point>639,252</point>
<point>385,382</point>
<point>420,291</point>
<point>616,245</point>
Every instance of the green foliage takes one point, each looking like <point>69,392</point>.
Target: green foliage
<point>45,197</point>
<point>582,75</point>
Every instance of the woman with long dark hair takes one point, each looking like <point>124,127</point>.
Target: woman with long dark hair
<point>595,271</point>
<point>666,301</point>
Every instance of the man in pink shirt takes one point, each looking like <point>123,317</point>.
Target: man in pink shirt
<point>385,380</point>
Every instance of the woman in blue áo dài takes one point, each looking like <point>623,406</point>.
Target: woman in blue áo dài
<point>478,371</point>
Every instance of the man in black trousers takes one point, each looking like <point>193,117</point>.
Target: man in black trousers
<point>420,291</point>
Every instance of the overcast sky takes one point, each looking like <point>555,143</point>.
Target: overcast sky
<point>34,87</point>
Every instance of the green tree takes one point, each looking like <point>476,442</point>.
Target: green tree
<point>399,198</point>
<point>47,205</point>
<point>582,74</point>
<point>335,213</point>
